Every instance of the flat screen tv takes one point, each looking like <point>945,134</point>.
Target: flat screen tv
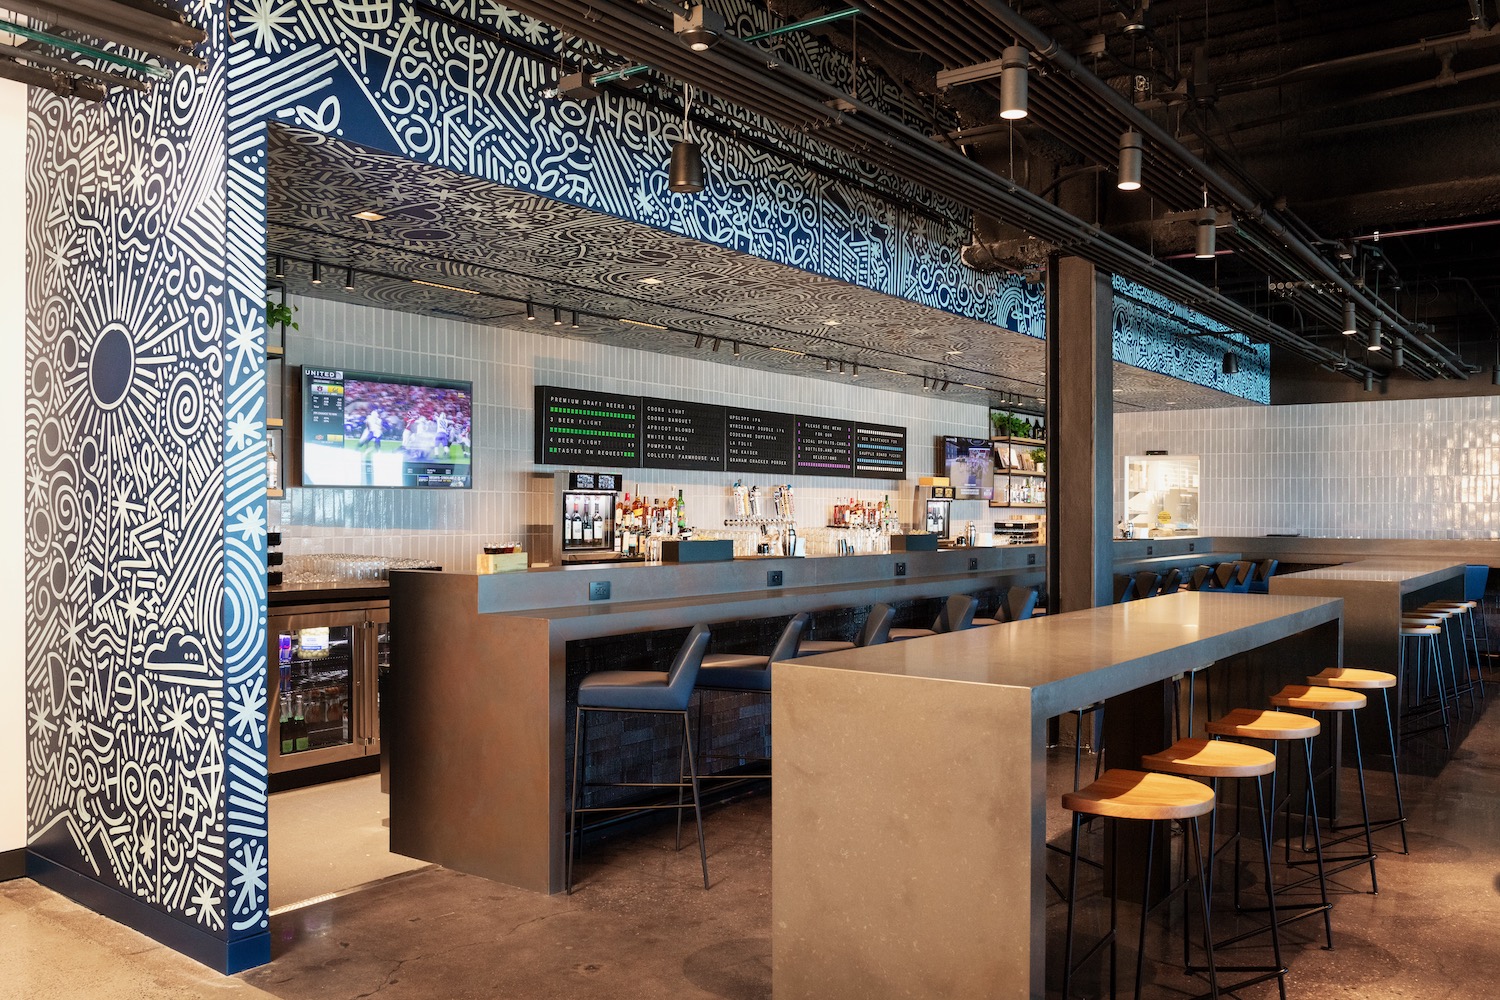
<point>969,464</point>
<point>369,429</point>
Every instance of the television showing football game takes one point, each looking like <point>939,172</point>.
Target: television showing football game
<point>369,429</point>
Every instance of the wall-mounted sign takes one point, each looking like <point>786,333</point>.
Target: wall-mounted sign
<point>759,441</point>
<point>574,427</point>
<point>824,447</point>
<point>677,435</point>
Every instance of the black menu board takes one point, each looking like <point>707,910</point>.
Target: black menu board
<point>824,447</point>
<point>679,435</point>
<point>576,427</point>
<point>758,441</point>
<point>879,451</point>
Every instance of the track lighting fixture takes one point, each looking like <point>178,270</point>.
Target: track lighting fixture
<point>575,319</point>
<point>685,173</point>
<point>1132,147</point>
<point>946,383</point>
<point>1376,338</point>
<point>1398,352</point>
<point>716,345</point>
<point>698,342</point>
<point>1013,81</point>
<point>841,368</point>
<point>736,348</point>
<point>530,311</point>
<point>317,273</point>
<point>1351,327</point>
<point>855,372</point>
<point>278,266</point>
<point>1369,381</point>
<point>1495,375</point>
<point>700,29</point>
<point>828,364</point>
<point>1231,363</point>
<point>556,316</point>
<point>348,279</point>
<point>1207,220</point>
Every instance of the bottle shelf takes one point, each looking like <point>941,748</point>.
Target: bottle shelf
<point>273,423</point>
<point>275,494</point>
<point>1036,442</point>
<point>275,352</point>
<point>1020,472</point>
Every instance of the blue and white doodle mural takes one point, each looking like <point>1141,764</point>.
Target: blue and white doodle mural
<point>1155,334</point>
<point>146,509</point>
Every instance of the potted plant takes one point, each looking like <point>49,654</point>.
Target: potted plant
<point>1039,458</point>
<point>280,314</point>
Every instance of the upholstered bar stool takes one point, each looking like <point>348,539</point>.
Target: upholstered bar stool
<point>1144,797</point>
<point>1276,728</point>
<point>742,673</point>
<point>649,692</point>
<point>1019,605</point>
<point>957,615</point>
<point>1419,656</point>
<point>1355,679</point>
<point>1315,699</point>
<point>1214,761</point>
<point>877,629</point>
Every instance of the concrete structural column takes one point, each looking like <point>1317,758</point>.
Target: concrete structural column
<point>1080,428</point>
<point>12,486</point>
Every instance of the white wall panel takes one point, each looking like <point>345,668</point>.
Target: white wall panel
<point>510,500</point>
<point>12,495</point>
<point>1419,468</point>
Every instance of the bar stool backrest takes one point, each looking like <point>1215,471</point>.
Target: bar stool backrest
<point>1244,571</point>
<point>958,613</point>
<point>1125,593</point>
<point>1266,569</point>
<point>1171,581</point>
<point>1020,603</point>
<point>1200,577</point>
<point>877,626</point>
<point>683,673</point>
<point>791,638</point>
<point>1224,575</point>
<point>1476,580</point>
<point>1146,583</point>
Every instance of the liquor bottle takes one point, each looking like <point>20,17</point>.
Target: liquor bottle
<point>285,651</point>
<point>682,526</point>
<point>288,738</point>
<point>299,725</point>
<point>273,470</point>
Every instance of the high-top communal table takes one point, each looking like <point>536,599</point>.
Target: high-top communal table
<point>1375,592</point>
<point>911,790</point>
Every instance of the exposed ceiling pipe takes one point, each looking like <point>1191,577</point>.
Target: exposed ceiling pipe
<point>1224,192</point>
<point>56,83</point>
<point>77,69</point>
<point>162,48</point>
<point>1481,36</point>
<point>742,71</point>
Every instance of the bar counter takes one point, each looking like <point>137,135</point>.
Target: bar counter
<point>478,708</point>
<point>911,794</point>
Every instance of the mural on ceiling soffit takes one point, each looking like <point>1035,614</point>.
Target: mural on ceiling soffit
<point>146,505</point>
<point>1156,334</point>
<point>390,77</point>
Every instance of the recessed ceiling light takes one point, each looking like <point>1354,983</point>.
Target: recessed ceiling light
<point>830,322</point>
<point>650,281</point>
<point>954,353</point>
<point>1171,402</point>
<point>369,216</point>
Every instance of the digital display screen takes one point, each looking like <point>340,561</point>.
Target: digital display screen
<point>969,464</point>
<point>368,429</point>
<point>577,427</point>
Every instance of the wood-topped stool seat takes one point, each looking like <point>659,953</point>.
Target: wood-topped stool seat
<point>1255,724</point>
<point>1356,678</point>
<point>1353,678</point>
<point>1311,698</point>
<point>1198,757</point>
<point>1122,794</point>
<point>1410,627</point>
<point>1138,795</point>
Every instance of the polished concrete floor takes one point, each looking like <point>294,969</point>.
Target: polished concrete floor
<point>640,924</point>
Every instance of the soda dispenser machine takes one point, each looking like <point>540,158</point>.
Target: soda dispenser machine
<point>585,527</point>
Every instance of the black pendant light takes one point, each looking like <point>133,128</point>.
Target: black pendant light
<point>278,266</point>
<point>685,175</point>
<point>1132,147</point>
<point>1013,82</point>
<point>317,273</point>
<point>1231,363</point>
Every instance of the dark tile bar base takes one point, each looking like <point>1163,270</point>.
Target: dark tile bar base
<point>12,864</point>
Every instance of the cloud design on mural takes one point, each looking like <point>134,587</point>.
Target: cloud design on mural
<point>178,652</point>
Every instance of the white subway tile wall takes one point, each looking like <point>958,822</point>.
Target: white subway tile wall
<point>1422,468</point>
<point>511,499</point>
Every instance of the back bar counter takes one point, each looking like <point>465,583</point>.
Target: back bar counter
<point>478,711</point>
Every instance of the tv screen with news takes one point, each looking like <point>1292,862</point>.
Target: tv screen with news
<point>371,429</point>
<point>969,464</point>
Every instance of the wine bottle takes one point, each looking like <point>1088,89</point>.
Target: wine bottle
<point>299,725</point>
<point>682,526</point>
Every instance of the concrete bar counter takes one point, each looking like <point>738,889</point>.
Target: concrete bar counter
<point>910,797</point>
<point>477,711</point>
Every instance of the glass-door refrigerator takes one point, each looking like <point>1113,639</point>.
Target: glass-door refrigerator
<point>325,700</point>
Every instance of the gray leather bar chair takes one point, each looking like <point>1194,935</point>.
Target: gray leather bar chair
<point>649,692</point>
<point>749,671</point>
<point>957,615</point>
<point>876,630</point>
